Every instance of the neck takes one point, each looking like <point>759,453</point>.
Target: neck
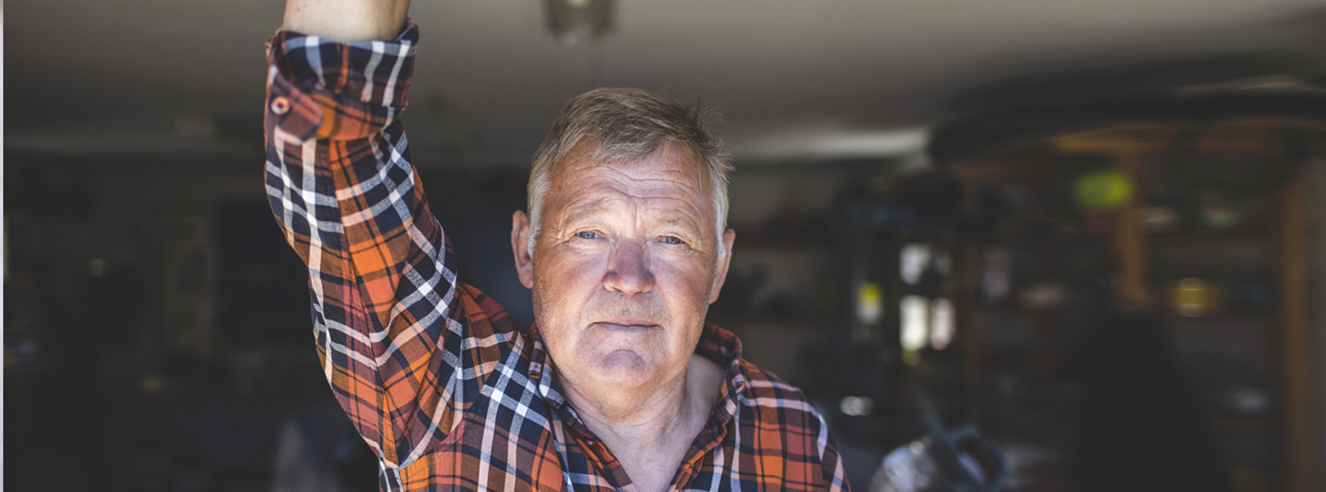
<point>642,414</point>
<point>649,430</point>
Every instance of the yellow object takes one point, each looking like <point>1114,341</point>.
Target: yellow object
<point>911,357</point>
<point>1103,190</point>
<point>869,303</point>
<point>1194,297</point>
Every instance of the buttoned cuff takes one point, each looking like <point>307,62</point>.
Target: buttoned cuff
<point>321,89</point>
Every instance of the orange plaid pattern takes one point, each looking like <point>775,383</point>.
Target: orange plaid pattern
<point>433,373</point>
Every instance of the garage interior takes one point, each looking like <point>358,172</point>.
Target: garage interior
<point>1083,241</point>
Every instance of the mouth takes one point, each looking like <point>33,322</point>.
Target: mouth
<point>626,324</point>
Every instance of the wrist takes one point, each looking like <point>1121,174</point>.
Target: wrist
<point>346,21</point>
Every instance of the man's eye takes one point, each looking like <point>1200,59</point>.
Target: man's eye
<point>671,240</point>
<point>587,235</point>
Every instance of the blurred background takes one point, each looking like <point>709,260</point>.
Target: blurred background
<point>1092,230</point>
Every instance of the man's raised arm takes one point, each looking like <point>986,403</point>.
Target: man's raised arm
<point>386,309</point>
<point>347,21</point>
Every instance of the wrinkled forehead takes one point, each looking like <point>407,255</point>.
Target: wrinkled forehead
<point>589,158</point>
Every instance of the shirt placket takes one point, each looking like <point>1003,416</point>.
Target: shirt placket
<point>715,430</point>
<point>600,457</point>
<point>576,437</point>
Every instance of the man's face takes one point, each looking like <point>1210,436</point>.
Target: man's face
<point>625,266</point>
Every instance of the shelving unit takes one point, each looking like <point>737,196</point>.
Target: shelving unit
<point>1249,360</point>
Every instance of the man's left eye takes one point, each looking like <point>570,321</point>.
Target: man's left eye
<point>671,240</point>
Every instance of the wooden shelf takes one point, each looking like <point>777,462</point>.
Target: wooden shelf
<point>1236,316</point>
<point>1057,240</point>
<point>1024,311</point>
<point>1208,237</point>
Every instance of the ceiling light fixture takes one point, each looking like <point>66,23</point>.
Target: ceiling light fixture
<point>831,143</point>
<point>573,21</point>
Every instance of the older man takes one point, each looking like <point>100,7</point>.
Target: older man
<point>619,385</point>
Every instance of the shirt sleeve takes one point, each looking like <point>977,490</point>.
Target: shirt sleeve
<point>386,305</point>
<point>831,464</point>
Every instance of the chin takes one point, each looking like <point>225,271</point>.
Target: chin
<point>624,368</point>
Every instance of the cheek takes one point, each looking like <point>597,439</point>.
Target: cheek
<point>564,280</point>
<point>685,290</point>
<point>685,283</point>
<point>560,289</point>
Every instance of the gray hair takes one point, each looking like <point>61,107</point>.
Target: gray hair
<point>627,125</point>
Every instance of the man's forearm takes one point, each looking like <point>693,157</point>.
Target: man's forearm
<point>347,21</point>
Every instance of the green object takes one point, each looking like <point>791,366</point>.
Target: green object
<point>1103,190</point>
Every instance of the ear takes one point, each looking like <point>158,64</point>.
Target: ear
<point>520,247</point>
<point>729,236</point>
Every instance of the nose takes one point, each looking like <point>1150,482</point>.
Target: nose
<point>628,269</point>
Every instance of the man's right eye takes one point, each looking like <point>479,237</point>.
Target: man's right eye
<point>587,235</point>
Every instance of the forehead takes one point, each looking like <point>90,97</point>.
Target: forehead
<point>671,172</point>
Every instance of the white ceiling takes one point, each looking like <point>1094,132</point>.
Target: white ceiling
<point>796,80</point>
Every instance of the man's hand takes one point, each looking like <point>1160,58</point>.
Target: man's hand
<point>347,20</point>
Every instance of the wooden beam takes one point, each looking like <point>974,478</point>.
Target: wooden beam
<point>1295,337</point>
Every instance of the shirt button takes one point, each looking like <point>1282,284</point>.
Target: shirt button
<point>280,105</point>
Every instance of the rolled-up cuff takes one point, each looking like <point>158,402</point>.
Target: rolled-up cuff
<point>322,89</point>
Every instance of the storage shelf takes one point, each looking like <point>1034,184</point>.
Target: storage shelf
<point>1205,237</point>
<point>1237,316</point>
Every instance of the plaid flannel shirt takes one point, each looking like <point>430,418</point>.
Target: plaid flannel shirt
<point>434,374</point>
